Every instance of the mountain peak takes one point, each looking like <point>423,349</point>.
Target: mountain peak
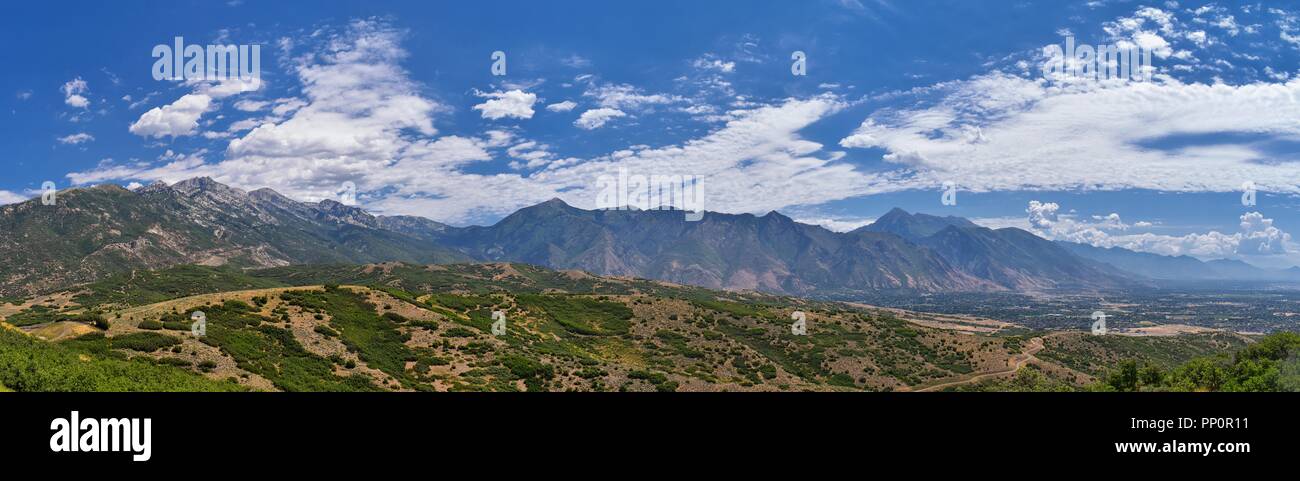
<point>777,216</point>
<point>197,184</point>
<point>914,226</point>
<point>156,186</point>
<point>555,202</point>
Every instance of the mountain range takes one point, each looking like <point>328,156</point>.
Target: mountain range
<point>97,231</point>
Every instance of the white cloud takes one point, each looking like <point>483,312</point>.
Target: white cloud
<point>576,61</point>
<point>1258,236</point>
<point>8,197</point>
<point>177,119</point>
<point>24,94</point>
<point>366,122</point>
<point>72,93</point>
<point>1035,135</point>
<point>287,106</point>
<point>181,118</point>
<point>251,105</point>
<point>246,124</point>
<point>77,138</point>
<point>564,106</point>
<point>711,62</point>
<point>138,103</point>
<point>596,118</point>
<point>835,224</point>
<point>514,103</point>
<point>622,97</point>
<point>1002,222</point>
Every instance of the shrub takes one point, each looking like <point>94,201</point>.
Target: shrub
<point>459,332</point>
<point>524,368</point>
<point>326,331</point>
<point>144,341</point>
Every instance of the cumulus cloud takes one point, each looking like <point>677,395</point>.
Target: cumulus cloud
<point>360,118</point>
<point>1257,236</point>
<point>357,103</point>
<point>176,119</point>
<point>514,103</point>
<point>73,92</point>
<point>8,197</point>
<point>754,163</point>
<point>181,118</point>
<point>596,118</point>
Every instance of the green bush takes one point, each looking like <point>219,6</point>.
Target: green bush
<point>523,367</point>
<point>28,364</point>
<point>144,341</point>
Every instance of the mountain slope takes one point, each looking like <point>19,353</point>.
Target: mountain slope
<point>99,231</point>
<point>1019,260</point>
<point>914,227</point>
<point>769,253</point>
<point>94,232</point>
<point>1179,268</point>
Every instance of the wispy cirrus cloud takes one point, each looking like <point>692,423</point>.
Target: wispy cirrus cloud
<point>77,138</point>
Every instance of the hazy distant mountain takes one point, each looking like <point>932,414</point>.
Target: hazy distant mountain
<point>1011,258</point>
<point>102,230</point>
<point>1179,268</point>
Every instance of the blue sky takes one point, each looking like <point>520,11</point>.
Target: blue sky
<point>398,99</point>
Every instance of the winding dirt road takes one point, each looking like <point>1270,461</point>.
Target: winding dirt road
<point>1014,363</point>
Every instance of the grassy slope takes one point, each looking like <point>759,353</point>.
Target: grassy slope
<point>569,331</point>
<point>29,364</point>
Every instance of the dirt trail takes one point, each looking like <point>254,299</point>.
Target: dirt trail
<point>1014,363</point>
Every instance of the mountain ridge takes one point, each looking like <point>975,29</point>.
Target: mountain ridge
<point>105,229</point>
